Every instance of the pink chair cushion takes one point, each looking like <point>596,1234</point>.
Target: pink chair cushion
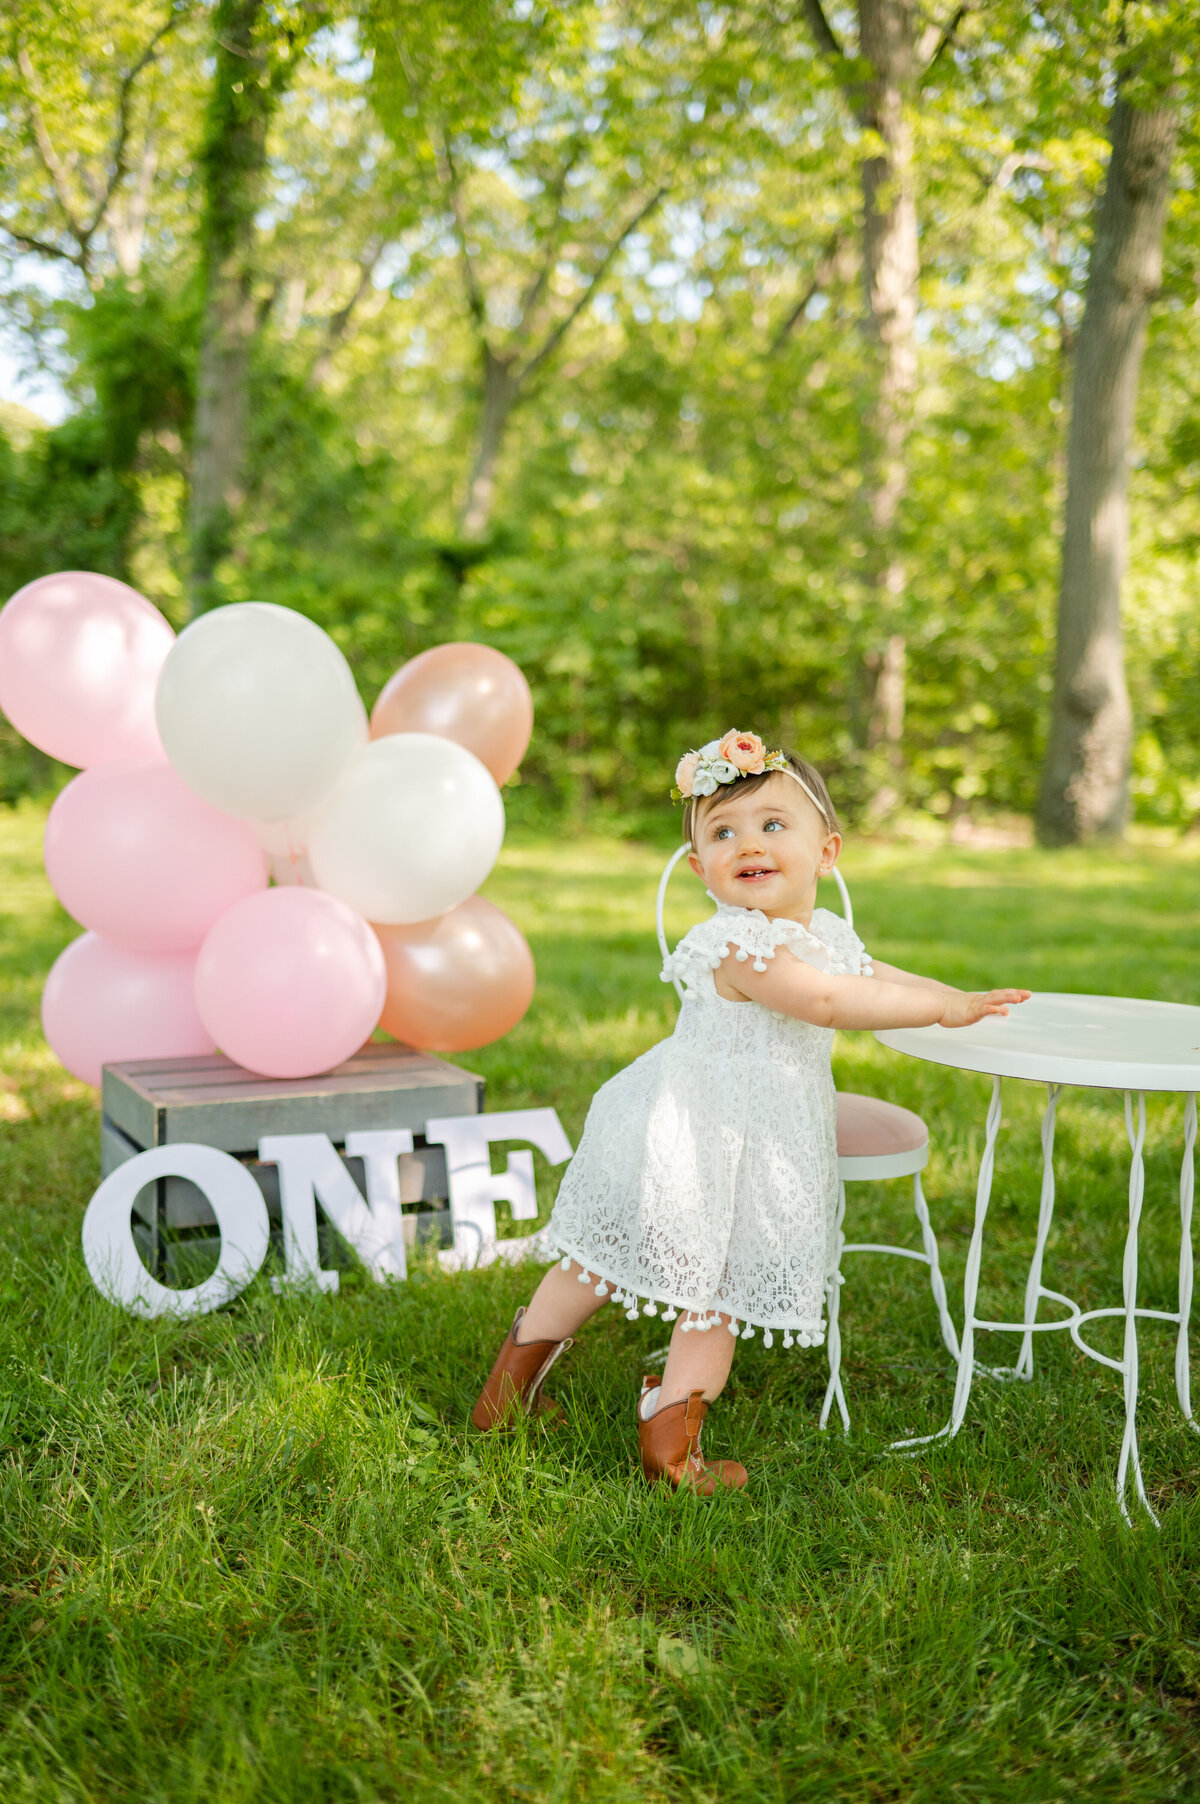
<point>867,1127</point>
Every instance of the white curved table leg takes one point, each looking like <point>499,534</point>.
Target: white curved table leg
<point>966,1352</point>
<point>1033,1284</point>
<point>1129,1276</point>
<point>1187,1188</point>
<point>833,1293</point>
<point>937,1283</point>
<point>983,1193</point>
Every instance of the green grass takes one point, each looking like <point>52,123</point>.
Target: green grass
<point>260,1557</point>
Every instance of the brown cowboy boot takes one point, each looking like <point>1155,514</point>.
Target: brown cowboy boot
<point>515,1385</point>
<point>670,1447</point>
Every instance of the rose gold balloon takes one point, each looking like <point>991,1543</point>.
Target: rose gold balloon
<point>458,982</point>
<point>472,694</point>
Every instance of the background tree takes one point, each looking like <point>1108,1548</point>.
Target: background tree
<point>83,96</point>
<point>545,141</point>
<point>1085,778</point>
<point>99,103</point>
<point>896,49</point>
<point>252,49</point>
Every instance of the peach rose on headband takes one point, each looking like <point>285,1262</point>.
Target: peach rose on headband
<point>746,751</point>
<point>685,772</point>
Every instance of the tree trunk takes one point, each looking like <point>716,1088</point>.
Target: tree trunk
<point>880,87</point>
<point>501,387</point>
<point>1085,780</point>
<point>129,213</point>
<point>232,163</point>
<point>890,270</point>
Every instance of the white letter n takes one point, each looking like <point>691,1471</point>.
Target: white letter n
<point>310,1171</point>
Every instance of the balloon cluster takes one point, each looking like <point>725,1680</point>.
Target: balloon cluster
<point>237,753</point>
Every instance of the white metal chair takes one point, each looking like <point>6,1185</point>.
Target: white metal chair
<point>876,1140</point>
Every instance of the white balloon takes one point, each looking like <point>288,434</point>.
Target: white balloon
<point>410,829</point>
<point>258,711</point>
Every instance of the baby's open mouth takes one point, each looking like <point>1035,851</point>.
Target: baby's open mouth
<point>755,871</point>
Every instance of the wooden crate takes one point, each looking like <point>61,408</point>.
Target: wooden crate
<point>211,1101</point>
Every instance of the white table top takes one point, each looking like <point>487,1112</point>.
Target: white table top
<point>1101,1042</point>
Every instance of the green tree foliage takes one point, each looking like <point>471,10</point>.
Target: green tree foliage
<point>673,537</point>
<point>98,104</point>
<point>545,142</point>
<point>74,496</point>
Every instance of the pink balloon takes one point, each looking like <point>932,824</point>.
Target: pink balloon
<point>290,982</point>
<point>103,1004</point>
<point>79,660</point>
<point>134,854</point>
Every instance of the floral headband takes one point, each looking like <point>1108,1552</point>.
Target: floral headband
<point>725,761</point>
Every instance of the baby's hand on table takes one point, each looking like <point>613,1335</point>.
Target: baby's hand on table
<point>964,1010</point>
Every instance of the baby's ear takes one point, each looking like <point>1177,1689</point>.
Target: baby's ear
<point>695,864</point>
<point>831,852</point>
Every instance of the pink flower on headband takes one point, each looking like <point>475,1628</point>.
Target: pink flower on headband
<point>685,772</point>
<point>745,750</point>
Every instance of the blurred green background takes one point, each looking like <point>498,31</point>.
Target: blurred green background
<point>615,249</point>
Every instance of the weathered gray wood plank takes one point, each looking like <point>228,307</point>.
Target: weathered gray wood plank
<point>210,1100</point>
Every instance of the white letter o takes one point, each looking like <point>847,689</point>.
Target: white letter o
<point>111,1252</point>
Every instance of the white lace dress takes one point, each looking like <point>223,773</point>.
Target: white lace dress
<point>706,1177</point>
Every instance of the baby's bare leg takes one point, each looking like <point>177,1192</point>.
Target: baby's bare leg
<point>561,1304</point>
<point>696,1362</point>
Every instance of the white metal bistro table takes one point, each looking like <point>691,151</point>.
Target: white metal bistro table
<point>1100,1043</point>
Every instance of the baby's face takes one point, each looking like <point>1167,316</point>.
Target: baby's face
<point>764,849</point>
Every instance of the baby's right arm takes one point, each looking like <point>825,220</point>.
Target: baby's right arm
<point>795,988</point>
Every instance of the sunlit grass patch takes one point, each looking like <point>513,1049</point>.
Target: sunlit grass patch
<point>261,1556</point>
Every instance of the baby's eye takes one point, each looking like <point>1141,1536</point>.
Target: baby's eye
<point>773,826</point>
<point>722,831</point>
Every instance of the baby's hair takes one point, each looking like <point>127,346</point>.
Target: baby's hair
<point>808,774</point>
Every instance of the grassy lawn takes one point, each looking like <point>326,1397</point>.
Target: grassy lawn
<point>260,1557</point>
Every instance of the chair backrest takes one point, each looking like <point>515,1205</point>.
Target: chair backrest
<point>661,900</point>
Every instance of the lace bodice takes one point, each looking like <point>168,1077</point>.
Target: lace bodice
<point>827,943</point>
